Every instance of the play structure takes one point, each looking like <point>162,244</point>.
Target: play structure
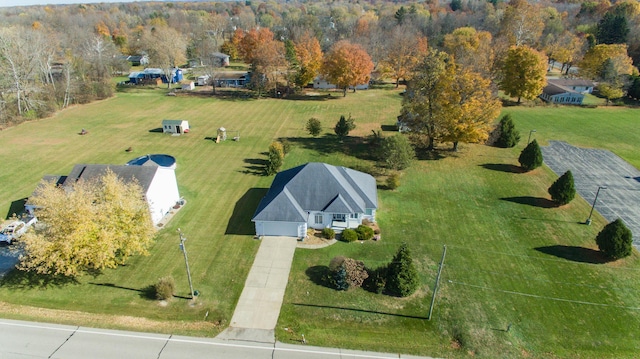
<point>222,135</point>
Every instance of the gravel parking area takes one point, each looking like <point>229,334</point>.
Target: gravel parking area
<point>592,168</point>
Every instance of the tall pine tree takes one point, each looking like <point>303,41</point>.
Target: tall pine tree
<point>402,276</point>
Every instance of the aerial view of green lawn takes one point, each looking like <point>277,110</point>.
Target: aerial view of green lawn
<point>501,294</point>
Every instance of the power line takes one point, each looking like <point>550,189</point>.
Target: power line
<point>542,297</point>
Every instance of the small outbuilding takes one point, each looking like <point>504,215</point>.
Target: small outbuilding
<point>188,86</point>
<point>175,126</point>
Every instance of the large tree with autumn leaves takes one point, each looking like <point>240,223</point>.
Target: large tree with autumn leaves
<point>347,65</point>
<point>91,225</point>
<point>524,73</point>
<point>448,102</point>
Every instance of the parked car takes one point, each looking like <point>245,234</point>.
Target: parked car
<point>13,231</point>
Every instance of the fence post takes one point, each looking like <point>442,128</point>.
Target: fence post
<point>435,288</point>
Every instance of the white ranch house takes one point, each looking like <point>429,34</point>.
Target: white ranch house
<point>158,183</point>
<point>322,84</point>
<point>566,91</point>
<point>316,195</point>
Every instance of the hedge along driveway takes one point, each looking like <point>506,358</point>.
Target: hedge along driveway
<point>592,168</point>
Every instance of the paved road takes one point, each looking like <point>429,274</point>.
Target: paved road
<point>592,168</point>
<point>36,340</point>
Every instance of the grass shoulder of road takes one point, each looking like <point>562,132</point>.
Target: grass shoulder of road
<point>512,259</point>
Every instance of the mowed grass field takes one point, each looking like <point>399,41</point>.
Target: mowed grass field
<point>511,263</point>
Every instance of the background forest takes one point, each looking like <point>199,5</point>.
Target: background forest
<point>56,56</point>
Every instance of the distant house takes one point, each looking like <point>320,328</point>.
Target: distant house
<point>232,78</point>
<point>579,85</point>
<point>316,195</point>
<point>175,126</point>
<point>557,93</point>
<point>218,59</point>
<point>321,83</point>
<point>143,77</point>
<point>137,60</point>
<point>158,183</point>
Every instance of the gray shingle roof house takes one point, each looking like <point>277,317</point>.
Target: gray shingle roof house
<point>316,195</point>
<point>158,184</point>
<point>566,91</point>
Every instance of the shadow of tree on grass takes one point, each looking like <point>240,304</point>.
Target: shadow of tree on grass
<point>255,166</point>
<point>319,275</point>
<point>20,279</point>
<point>532,201</point>
<point>502,167</point>
<point>576,254</point>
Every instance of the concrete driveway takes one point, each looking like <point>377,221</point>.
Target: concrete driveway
<point>258,308</point>
<point>592,168</point>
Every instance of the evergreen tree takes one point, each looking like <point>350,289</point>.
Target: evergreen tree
<point>563,191</point>
<point>396,152</point>
<point>615,240</point>
<point>612,29</point>
<point>340,278</point>
<point>314,126</point>
<point>509,136</point>
<point>344,126</point>
<point>531,157</point>
<point>402,276</point>
<point>634,90</point>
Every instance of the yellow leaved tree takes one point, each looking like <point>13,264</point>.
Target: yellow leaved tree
<point>91,225</point>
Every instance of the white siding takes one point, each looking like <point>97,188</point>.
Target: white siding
<point>162,193</point>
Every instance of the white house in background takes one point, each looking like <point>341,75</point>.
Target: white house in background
<point>316,195</point>
<point>558,94</point>
<point>322,84</point>
<point>158,183</point>
<point>175,126</point>
<point>578,85</point>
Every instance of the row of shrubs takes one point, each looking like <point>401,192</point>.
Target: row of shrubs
<point>361,233</point>
<point>397,278</point>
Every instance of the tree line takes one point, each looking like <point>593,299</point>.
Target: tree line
<point>56,56</point>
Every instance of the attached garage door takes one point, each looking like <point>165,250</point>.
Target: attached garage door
<point>277,229</point>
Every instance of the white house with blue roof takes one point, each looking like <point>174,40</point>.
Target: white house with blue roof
<point>316,195</point>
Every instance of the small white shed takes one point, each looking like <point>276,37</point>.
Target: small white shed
<point>188,86</point>
<point>175,126</point>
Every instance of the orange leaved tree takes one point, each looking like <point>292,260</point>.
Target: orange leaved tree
<point>346,65</point>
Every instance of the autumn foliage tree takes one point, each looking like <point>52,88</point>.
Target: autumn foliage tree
<point>309,58</point>
<point>524,73</point>
<point>403,51</point>
<point>594,60</point>
<point>346,65</point>
<point>91,225</point>
<point>472,109</point>
<point>449,103</point>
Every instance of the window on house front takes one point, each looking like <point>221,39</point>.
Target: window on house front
<point>353,216</point>
<point>318,218</point>
<point>339,217</point>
